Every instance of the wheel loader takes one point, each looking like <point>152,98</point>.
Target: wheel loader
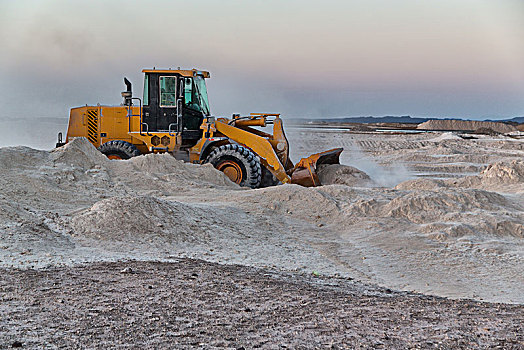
<point>173,116</point>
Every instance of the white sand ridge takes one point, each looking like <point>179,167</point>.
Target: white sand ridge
<point>458,237</point>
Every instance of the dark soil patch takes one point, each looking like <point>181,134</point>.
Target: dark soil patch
<point>192,304</point>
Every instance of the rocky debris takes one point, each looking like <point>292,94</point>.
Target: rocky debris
<point>195,304</point>
<point>486,131</point>
<point>362,128</point>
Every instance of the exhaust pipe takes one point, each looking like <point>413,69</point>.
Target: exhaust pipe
<point>128,94</point>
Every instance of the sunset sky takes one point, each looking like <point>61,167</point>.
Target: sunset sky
<point>437,58</point>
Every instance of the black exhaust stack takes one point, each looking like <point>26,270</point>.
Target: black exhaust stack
<point>128,94</point>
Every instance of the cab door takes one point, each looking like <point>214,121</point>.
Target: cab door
<point>168,104</point>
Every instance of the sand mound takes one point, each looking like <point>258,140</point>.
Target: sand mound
<point>73,205</point>
<point>167,168</point>
<point>140,173</point>
<point>20,157</point>
<point>330,174</point>
<point>446,136</point>
<point>491,225</point>
<point>78,174</point>
<point>157,163</point>
<point>465,125</point>
<point>420,184</point>
<point>503,172</point>
<point>131,218</point>
<point>500,176</point>
<point>312,204</point>
<point>79,153</point>
<point>440,214</point>
<point>432,206</point>
<point>32,178</point>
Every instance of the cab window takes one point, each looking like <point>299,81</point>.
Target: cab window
<point>188,90</point>
<point>146,90</point>
<point>167,91</point>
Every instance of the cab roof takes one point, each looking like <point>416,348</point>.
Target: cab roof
<point>183,72</point>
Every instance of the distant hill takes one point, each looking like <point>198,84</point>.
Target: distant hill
<point>518,120</point>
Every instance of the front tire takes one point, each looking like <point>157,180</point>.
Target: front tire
<point>268,179</point>
<point>239,164</point>
<point>118,149</point>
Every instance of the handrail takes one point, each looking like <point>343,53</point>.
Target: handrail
<point>178,111</point>
<point>169,131</point>
<point>147,130</point>
<point>129,114</point>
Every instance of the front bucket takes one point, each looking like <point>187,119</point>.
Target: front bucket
<point>305,174</point>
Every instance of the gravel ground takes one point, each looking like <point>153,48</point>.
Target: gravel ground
<point>195,304</point>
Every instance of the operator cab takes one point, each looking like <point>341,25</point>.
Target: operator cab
<point>175,101</point>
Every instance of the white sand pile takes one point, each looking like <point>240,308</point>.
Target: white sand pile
<point>165,168</point>
<point>78,153</point>
<point>473,212</point>
<point>78,174</point>
<point>506,177</point>
<point>502,172</point>
<point>31,177</point>
<point>435,205</point>
<point>420,184</point>
<point>452,237</point>
<point>19,158</point>
<point>310,204</point>
<point>331,174</point>
<point>446,136</point>
<point>465,125</point>
<point>422,207</point>
<point>129,218</point>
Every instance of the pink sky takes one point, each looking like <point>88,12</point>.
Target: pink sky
<point>302,58</point>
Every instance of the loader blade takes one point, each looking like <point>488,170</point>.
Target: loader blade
<point>305,174</point>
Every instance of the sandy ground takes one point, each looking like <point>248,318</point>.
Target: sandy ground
<point>445,219</point>
<point>195,304</point>
<point>438,215</point>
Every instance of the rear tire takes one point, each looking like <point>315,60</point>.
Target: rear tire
<point>240,164</point>
<point>118,149</point>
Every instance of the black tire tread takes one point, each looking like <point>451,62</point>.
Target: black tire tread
<point>124,149</point>
<point>244,155</point>
<point>268,179</point>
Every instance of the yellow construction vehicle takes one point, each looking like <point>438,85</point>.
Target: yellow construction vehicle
<point>174,117</point>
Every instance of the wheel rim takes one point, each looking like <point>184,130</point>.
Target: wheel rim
<point>114,156</point>
<point>232,170</point>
